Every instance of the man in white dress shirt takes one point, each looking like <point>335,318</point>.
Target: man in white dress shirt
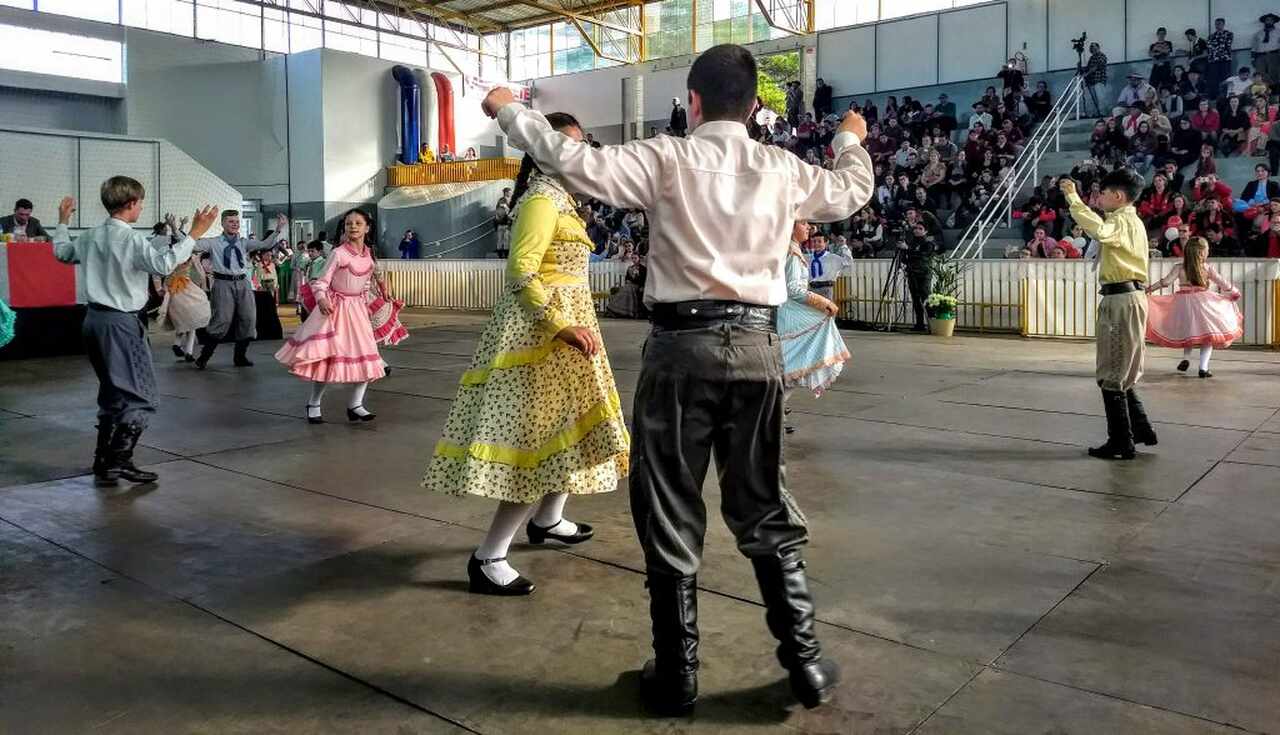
<point>720,207</point>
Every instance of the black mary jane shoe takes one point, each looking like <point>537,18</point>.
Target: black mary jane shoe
<point>1182,366</point>
<point>317,419</point>
<point>480,584</point>
<point>1206,374</point>
<point>177,352</point>
<point>538,534</point>
<point>366,416</point>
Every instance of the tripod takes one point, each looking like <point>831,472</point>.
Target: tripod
<point>891,309</point>
<point>1093,94</point>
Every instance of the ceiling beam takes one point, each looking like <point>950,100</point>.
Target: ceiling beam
<point>797,26</point>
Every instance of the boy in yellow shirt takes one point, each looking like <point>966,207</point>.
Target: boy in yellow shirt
<point>1122,314</point>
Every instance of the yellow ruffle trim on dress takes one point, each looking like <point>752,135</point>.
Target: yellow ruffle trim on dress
<point>600,413</point>
<point>508,360</point>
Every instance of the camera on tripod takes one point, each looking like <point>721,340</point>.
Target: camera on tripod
<point>1077,44</point>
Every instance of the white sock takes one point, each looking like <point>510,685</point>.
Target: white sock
<point>179,339</point>
<point>190,346</point>
<point>550,515</point>
<point>507,520</point>
<point>317,393</point>
<point>357,398</point>
<point>1206,351</point>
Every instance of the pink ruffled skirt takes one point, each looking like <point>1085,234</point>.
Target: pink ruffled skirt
<point>1193,317</point>
<point>338,348</point>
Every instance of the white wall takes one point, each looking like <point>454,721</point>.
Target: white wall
<point>222,104</point>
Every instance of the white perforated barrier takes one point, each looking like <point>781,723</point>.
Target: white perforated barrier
<point>471,284</point>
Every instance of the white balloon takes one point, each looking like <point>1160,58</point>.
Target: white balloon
<point>1171,234</point>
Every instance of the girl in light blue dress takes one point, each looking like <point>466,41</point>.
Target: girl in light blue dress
<point>813,352</point>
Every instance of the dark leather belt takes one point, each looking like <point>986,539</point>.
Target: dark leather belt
<point>1111,289</point>
<point>699,314</point>
<point>225,277</point>
<point>103,307</point>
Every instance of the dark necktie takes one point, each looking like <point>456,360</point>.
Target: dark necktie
<point>227,252</point>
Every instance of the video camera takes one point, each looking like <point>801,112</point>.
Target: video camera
<point>1077,44</point>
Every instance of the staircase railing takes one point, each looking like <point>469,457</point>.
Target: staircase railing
<point>998,210</point>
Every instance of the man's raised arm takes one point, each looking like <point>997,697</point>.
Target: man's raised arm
<point>828,196</point>
<point>625,176</point>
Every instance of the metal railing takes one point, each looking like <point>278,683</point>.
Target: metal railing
<point>998,210</point>
<point>487,228</point>
<point>453,172</point>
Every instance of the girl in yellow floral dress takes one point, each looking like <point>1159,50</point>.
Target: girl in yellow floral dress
<point>537,417</point>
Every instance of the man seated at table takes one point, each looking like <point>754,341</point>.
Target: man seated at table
<point>21,224</point>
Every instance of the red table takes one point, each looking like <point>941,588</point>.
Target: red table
<point>36,278</point>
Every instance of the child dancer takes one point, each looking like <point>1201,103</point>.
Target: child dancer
<point>315,268</point>
<point>186,307</point>
<point>537,416</point>
<point>1122,314</point>
<point>117,263</point>
<point>1195,316</point>
<point>813,352</point>
<point>335,344</point>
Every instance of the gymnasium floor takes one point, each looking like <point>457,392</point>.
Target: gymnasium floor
<point>975,572</point>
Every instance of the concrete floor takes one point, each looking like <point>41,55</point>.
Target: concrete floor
<point>975,572</point>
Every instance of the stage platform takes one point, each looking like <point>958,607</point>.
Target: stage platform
<point>975,571</point>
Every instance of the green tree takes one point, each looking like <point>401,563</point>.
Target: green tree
<point>775,71</point>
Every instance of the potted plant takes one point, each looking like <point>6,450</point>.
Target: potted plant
<point>942,301</point>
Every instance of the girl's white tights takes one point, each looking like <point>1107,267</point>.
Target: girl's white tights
<point>1206,352</point>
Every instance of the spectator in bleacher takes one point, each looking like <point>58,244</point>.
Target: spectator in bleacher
<point>1155,203</point>
<point>895,131</point>
<point>806,133</point>
<point>1041,245</point>
<point>1160,52</point>
<point>1130,122</point>
<point>905,155</point>
<point>1266,48</point>
<point>1206,121</point>
<point>1081,242</point>
<point>1209,213</point>
<point>1178,245</point>
<point>980,117</point>
<point>1235,128</point>
<point>1197,52</point>
<point>934,180</point>
<point>1172,104</point>
<point>1222,244</point>
<point>1179,208</point>
<point>1262,189</point>
<point>1142,148</point>
<point>990,98</point>
<point>1261,119</point>
<point>1237,86</point>
<point>945,113</point>
<point>1266,244</point>
<point>1012,77</point>
<point>1005,151</point>
<point>1218,57</point>
<point>1040,102</point>
<point>1185,144</point>
<point>410,246</point>
<point>1100,140</point>
<point>822,102</point>
<point>870,113</point>
<point>1012,132</point>
<point>1134,92</point>
<point>1193,89</point>
<point>1259,86</point>
<point>1161,125</point>
<point>1095,76</point>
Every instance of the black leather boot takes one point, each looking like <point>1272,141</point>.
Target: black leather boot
<point>669,682</point>
<point>1119,432</point>
<point>123,441</point>
<point>104,466</point>
<point>789,612</point>
<point>207,346</point>
<point>242,358</point>
<point>1143,432</point>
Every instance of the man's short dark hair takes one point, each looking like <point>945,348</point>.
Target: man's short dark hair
<point>23,204</point>
<point>1262,166</point>
<point>229,213</point>
<point>1126,181</point>
<point>724,77</point>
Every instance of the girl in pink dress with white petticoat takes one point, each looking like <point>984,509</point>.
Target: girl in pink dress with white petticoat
<point>336,343</point>
<point>1194,315</point>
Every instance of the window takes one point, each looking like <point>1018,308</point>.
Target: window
<point>107,11</point>
<point>62,54</point>
<point>493,59</point>
<point>670,27</point>
<point>229,21</point>
<point>165,16</point>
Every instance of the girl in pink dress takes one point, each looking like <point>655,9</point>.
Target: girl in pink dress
<point>1194,315</point>
<point>336,343</point>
